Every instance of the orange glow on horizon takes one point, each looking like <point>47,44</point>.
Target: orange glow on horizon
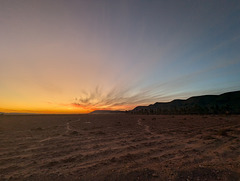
<point>66,109</point>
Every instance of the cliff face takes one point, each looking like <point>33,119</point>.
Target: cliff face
<point>227,103</point>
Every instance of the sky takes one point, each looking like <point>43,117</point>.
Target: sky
<point>73,56</point>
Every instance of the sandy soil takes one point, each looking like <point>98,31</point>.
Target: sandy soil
<point>119,147</point>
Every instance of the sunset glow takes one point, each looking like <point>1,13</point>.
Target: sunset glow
<point>79,56</point>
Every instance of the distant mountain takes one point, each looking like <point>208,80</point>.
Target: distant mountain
<point>16,113</point>
<point>227,103</point>
<point>106,112</point>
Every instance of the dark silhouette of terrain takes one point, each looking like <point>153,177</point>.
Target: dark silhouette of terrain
<point>227,103</point>
<point>106,112</point>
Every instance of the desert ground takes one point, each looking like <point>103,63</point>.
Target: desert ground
<point>119,147</point>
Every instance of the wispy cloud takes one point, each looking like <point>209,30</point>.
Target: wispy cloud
<point>126,97</point>
<point>114,99</point>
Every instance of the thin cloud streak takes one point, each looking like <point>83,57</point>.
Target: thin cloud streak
<point>123,98</point>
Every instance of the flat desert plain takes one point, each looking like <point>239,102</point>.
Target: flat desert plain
<point>119,147</point>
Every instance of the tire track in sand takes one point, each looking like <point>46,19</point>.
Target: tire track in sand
<point>146,127</point>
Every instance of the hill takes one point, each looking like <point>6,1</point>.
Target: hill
<point>227,103</point>
<point>106,112</point>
